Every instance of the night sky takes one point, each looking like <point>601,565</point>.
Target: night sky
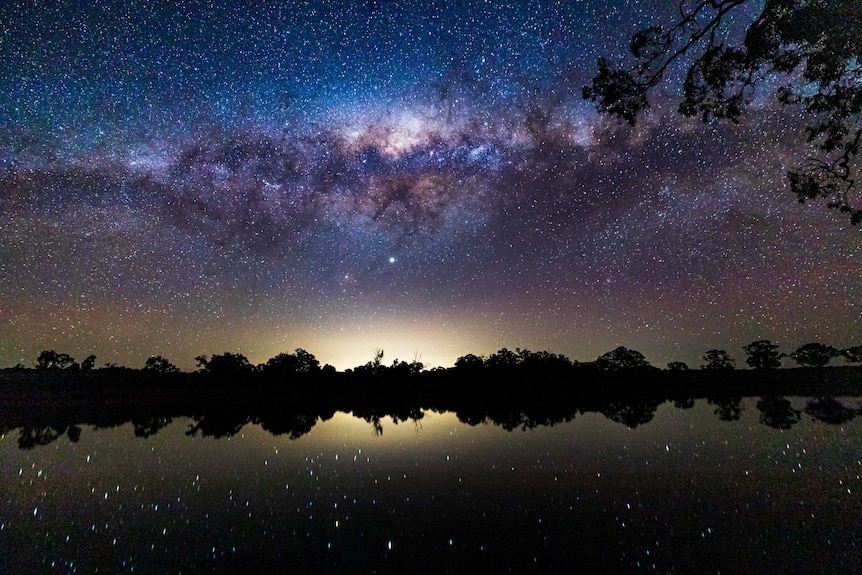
<point>179,179</point>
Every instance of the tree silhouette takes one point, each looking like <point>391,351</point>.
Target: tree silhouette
<point>543,364</point>
<point>807,53</point>
<point>677,366</point>
<point>328,369</point>
<point>89,363</point>
<point>50,359</point>
<point>503,359</point>
<point>829,410</point>
<point>762,354</point>
<point>225,365</point>
<point>405,368</point>
<point>630,413</point>
<point>217,424</point>
<point>726,408</point>
<point>373,367</point>
<point>683,403</point>
<point>814,354</point>
<point>291,422</point>
<point>151,426</point>
<point>717,359</point>
<point>777,412</point>
<point>73,433</point>
<point>469,362</point>
<point>622,359</point>
<point>853,354</point>
<point>300,361</point>
<point>158,364</point>
<point>376,363</point>
<point>31,437</point>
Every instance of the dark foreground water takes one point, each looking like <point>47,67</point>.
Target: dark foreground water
<point>695,490</point>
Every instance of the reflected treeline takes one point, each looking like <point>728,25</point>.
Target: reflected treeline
<point>151,426</point>
<point>631,414</point>
<point>35,435</point>
<point>39,427</point>
<point>829,410</point>
<point>778,412</point>
<point>726,408</point>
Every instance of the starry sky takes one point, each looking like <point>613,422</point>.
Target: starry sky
<point>186,178</point>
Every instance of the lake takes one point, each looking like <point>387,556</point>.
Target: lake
<point>689,487</point>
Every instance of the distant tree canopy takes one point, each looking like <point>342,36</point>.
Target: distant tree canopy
<point>717,359</point>
<point>808,53</point>
<point>520,363</point>
<point>50,359</point>
<point>399,368</point>
<point>853,354</point>
<point>375,366</point>
<point>406,368</point>
<point>225,364</point>
<point>523,362</point>
<point>502,359</point>
<point>158,364</point>
<point>89,363</point>
<point>814,354</point>
<point>829,410</point>
<point>763,354</point>
<point>622,359</point>
<point>469,362</point>
<point>300,361</point>
<point>777,412</point>
<point>536,361</point>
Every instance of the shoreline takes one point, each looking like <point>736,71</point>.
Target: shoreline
<point>46,407</point>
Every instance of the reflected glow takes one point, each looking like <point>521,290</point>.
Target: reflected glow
<point>592,494</point>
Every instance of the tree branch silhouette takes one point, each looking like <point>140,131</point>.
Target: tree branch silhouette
<point>813,49</point>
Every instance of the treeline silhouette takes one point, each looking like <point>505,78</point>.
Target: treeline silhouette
<point>510,376</point>
<point>760,354</point>
<point>517,389</point>
<point>46,424</point>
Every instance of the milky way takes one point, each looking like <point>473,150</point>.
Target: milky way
<point>421,177</point>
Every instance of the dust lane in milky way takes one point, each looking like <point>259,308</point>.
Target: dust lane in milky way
<point>421,177</point>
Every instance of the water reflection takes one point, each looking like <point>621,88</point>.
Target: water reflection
<point>599,486</point>
<point>36,428</point>
<point>828,410</point>
<point>631,413</point>
<point>727,408</point>
<point>777,412</point>
<point>150,426</point>
<point>34,435</point>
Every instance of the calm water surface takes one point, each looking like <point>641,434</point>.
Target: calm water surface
<point>686,492</point>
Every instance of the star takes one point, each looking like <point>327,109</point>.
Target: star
<point>174,191</point>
